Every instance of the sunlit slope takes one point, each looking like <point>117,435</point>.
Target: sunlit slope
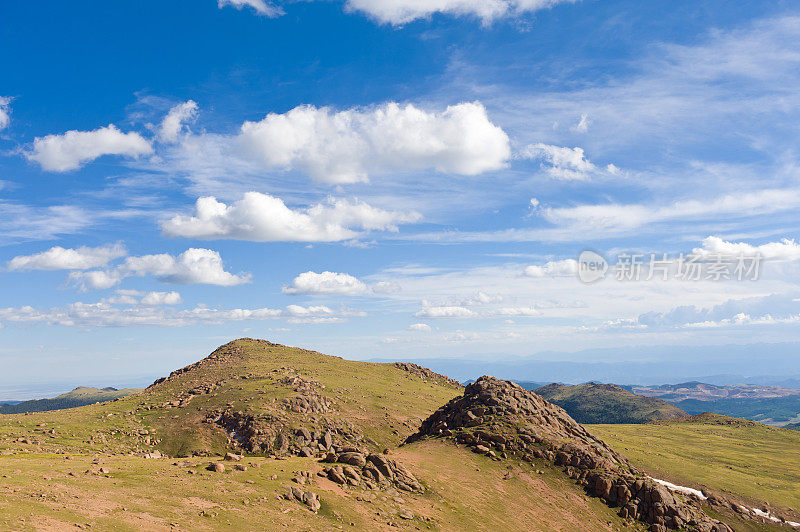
<point>737,458</point>
<point>105,465</point>
<point>465,491</point>
<point>381,402</point>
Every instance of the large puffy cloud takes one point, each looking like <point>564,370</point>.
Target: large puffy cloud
<point>264,218</point>
<point>193,266</point>
<point>5,112</point>
<point>348,146</point>
<point>786,249</point>
<point>260,6</point>
<point>325,283</point>
<point>404,11</point>
<point>173,123</point>
<point>70,150</point>
<point>58,258</point>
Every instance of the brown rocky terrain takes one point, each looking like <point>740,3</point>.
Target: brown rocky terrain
<point>499,418</point>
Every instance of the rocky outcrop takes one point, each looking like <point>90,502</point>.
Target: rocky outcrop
<point>426,374</point>
<point>499,418</point>
<point>270,435</point>
<point>309,498</point>
<point>356,467</point>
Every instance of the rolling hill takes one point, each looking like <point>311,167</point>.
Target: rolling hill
<point>259,435</point>
<point>80,396</point>
<point>607,403</point>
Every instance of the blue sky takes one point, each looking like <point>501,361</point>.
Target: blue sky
<point>375,179</point>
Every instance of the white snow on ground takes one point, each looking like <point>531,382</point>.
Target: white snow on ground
<point>680,489</point>
<point>699,494</point>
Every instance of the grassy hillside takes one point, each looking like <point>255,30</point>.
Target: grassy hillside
<point>80,396</point>
<point>740,459</point>
<point>607,403</point>
<point>84,466</point>
<point>466,491</point>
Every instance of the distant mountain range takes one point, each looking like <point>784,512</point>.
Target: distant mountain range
<point>770,405</point>
<point>662,365</point>
<point>709,392</point>
<point>80,396</point>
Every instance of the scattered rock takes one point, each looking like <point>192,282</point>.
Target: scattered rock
<point>308,498</point>
<point>306,452</point>
<point>217,467</point>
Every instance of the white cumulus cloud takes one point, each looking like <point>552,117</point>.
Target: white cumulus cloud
<point>58,258</point>
<point>70,150</point>
<point>161,298</point>
<point>173,123</point>
<point>786,249</point>
<point>398,12</point>
<point>348,146</point>
<point>325,283</point>
<point>420,327</point>
<point>193,266</point>
<point>264,218</point>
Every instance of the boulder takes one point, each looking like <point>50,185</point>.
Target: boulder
<point>352,458</point>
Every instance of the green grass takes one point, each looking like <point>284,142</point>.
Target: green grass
<point>43,489</point>
<point>607,403</point>
<point>386,403</point>
<point>749,461</point>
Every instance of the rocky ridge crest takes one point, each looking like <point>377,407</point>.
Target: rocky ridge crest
<point>499,418</point>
